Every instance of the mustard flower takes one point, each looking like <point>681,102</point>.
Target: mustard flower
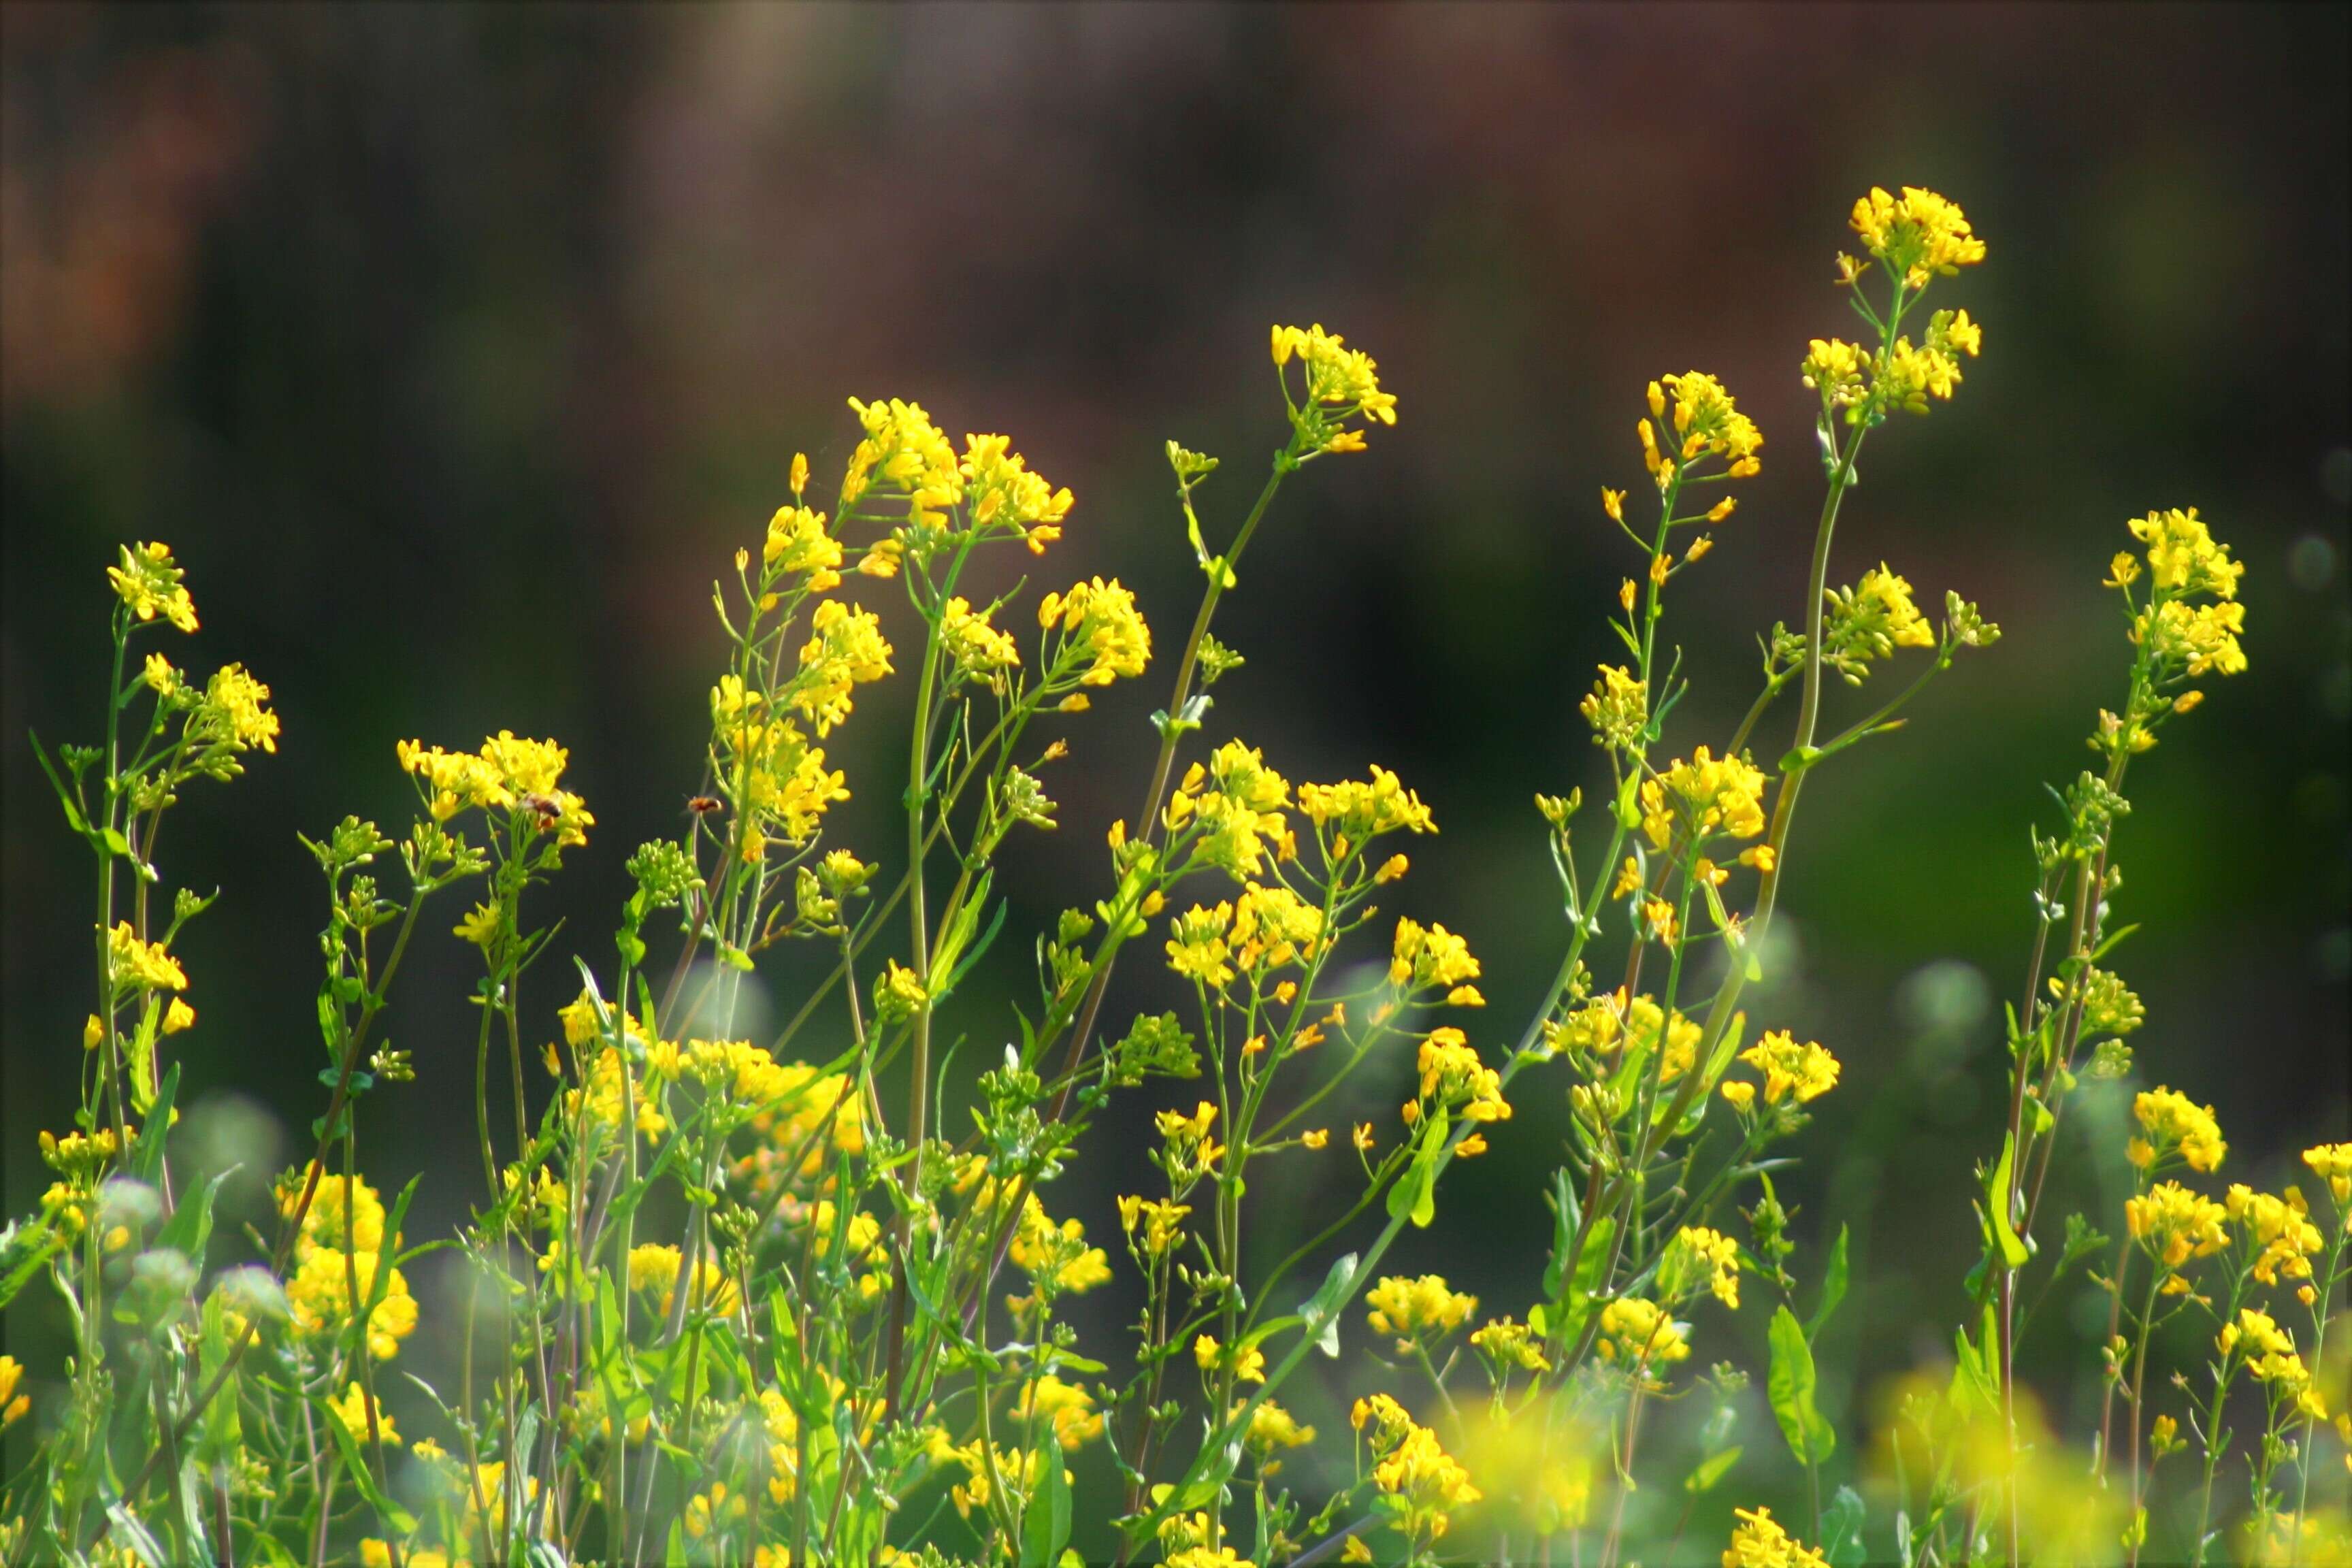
<point>1708,420</point>
<point>797,541</point>
<point>1791,1071</point>
<point>978,649</point>
<point>2173,1123</point>
<point>2175,1226</point>
<point>2197,639</point>
<point>1918,235</point>
<point>2332,1163</point>
<point>1700,1260</point>
<point>1159,1223</point>
<point>1417,1311</point>
<point>149,582</point>
<point>1618,707</point>
<point>1635,1332</point>
<point>1100,622</point>
<point>2183,557</point>
<point>905,453</point>
<point>1000,493</point>
<point>1359,810</point>
<point>1702,798</point>
<point>1055,1257</point>
<point>1506,1342</point>
<point>2278,1228</point>
<point>1760,1541</point>
<point>846,648</point>
<point>1066,1407</point>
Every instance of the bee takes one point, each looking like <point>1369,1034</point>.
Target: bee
<point>546,807</point>
<point>704,805</point>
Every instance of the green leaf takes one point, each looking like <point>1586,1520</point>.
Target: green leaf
<point>1321,1312</point>
<point>1415,1192</point>
<point>1045,1525</point>
<point>191,1225</point>
<point>356,1463</point>
<point>1791,1384</point>
<point>1711,1470</point>
<point>2013,1250</point>
<point>1841,1530</point>
<point>1833,1282</point>
<point>147,1149</point>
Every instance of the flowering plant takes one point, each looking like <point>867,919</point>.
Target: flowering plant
<point>806,1298</point>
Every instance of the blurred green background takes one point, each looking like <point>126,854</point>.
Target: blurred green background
<point>454,350</point>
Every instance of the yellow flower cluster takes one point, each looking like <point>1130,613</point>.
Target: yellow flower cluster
<point>903,451</point>
<point>2279,1226</point>
<point>1161,1222</point>
<point>1417,1311</point>
<point>1184,1544</point>
<point>352,1410</point>
<point>1454,1080</point>
<point>149,582</point>
<point>1870,620</point>
<point>978,649</point>
<point>2176,1225</point>
<point>2268,1353</point>
<point>509,774</point>
<point>779,781</point>
<point>805,1119</point>
<point>14,1406</point>
<point>1835,369</point>
<point>1271,1428</point>
<point>1420,1484</point>
<point>1000,493</point>
<point>1636,1331</point>
<point>1359,810</point>
<point>1909,376</point>
<point>1507,1342</point>
<point>1760,1541</point>
<point>1342,384</point>
<point>331,1284</point>
<point>2174,1124</point>
<point>846,649</point>
<point>1699,1259</point>
<point>1066,1407</point>
<point>1431,958</point>
<point>1618,706</point>
<point>1055,1257</point>
<point>1791,1071</point>
<point>1266,928</point>
<point>798,541</point>
<point>656,1266</point>
<point>1188,1151</point>
<point>2332,1163</point>
<point>144,964</point>
<point>2183,557</point>
<point>1918,235</point>
<point>1234,821</point>
<point>2200,638</point>
<point>1100,621</point>
<point>1707,421</point>
<point>1702,798</point>
<point>1248,1362</point>
<point>234,699</point>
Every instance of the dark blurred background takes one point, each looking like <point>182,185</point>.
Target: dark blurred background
<point>454,350</point>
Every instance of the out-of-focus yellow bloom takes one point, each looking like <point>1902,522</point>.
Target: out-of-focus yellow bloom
<point>12,1404</point>
<point>351,1411</point>
<point>1507,1342</point>
<point>1248,1365</point>
<point>2278,1227</point>
<point>1055,1257</point>
<point>2332,1163</point>
<point>1066,1407</point>
<point>1160,1221</point>
<point>1452,1078</point>
<point>1420,1485</point>
<point>1637,1332</point>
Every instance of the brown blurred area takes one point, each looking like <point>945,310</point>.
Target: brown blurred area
<point>454,349</point>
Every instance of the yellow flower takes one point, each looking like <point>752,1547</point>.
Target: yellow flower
<point>2332,1163</point>
<point>1196,944</point>
<point>351,1411</point>
<point>1698,1259</point>
<point>1420,1484</point>
<point>145,964</point>
<point>1636,1331</point>
<point>1000,493</point>
<point>179,1015</point>
<point>1067,1408</point>
<point>1425,958</point>
<point>2183,557</point>
<point>1056,1258</point>
<point>1425,1310</point>
<point>1100,625</point>
<point>1314,1138</point>
<point>846,648</point>
<point>656,1267</point>
<point>903,452</point>
<point>320,1302</point>
<point>1918,235</point>
<point>12,1404</point>
<point>2174,1224</point>
<point>1834,368</point>
<point>1272,1427</point>
<point>797,542</point>
<point>2277,1226</point>
<point>1452,1078</point>
<point>1803,1072</point>
<point>149,582</point>
<point>978,649</point>
<point>1706,420</point>
<point>2201,638</point>
<point>1361,810</point>
<point>234,699</point>
<point>1702,798</point>
<point>1341,383</point>
<point>1161,1222</point>
<point>1760,1541</point>
<point>1506,1342</point>
<point>1618,707</point>
<point>2176,1124</point>
<point>1248,1365</point>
